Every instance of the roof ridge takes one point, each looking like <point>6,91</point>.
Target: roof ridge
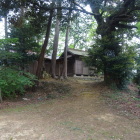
<point>76,50</point>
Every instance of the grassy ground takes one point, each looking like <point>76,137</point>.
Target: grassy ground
<point>126,102</point>
<point>84,110</point>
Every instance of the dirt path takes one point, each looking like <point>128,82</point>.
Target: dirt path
<point>82,116</point>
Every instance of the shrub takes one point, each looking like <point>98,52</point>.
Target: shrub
<point>13,82</point>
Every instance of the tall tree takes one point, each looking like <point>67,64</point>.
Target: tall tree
<point>112,16</point>
<point>44,46</point>
<point>55,47</point>
<point>56,39</point>
<point>66,44</point>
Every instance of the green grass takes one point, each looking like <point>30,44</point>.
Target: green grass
<point>22,108</point>
<point>112,137</point>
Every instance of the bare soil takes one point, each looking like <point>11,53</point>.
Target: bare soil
<point>82,114</point>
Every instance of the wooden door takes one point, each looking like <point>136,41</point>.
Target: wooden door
<point>79,67</point>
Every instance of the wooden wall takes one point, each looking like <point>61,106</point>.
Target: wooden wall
<point>75,66</point>
<point>32,67</point>
<point>81,68</point>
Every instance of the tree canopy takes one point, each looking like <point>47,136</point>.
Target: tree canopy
<point>115,19</point>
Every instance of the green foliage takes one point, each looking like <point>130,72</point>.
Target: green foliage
<point>138,26</point>
<point>137,76</point>
<point>95,58</point>
<point>13,82</point>
<point>79,30</point>
<point>113,59</point>
<point>120,68</point>
<point>27,46</point>
<point>8,41</point>
<point>27,38</point>
<point>7,54</point>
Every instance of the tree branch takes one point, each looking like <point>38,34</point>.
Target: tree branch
<point>125,18</point>
<point>78,5</point>
<point>134,9</point>
<point>128,2</point>
<point>125,26</point>
<point>84,11</point>
<point>68,8</point>
<point>74,9</point>
<point>125,14</point>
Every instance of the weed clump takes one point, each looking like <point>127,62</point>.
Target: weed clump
<point>55,89</point>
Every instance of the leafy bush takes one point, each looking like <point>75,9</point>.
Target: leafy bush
<point>13,82</point>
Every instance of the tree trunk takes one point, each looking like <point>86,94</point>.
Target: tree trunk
<point>6,26</point>
<point>66,50</point>
<point>44,46</point>
<point>56,39</point>
<point>55,46</point>
<point>64,71</point>
<point>22,15</point>
<point>108,78</point>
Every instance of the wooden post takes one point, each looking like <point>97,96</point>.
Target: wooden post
<point>0,96</point>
